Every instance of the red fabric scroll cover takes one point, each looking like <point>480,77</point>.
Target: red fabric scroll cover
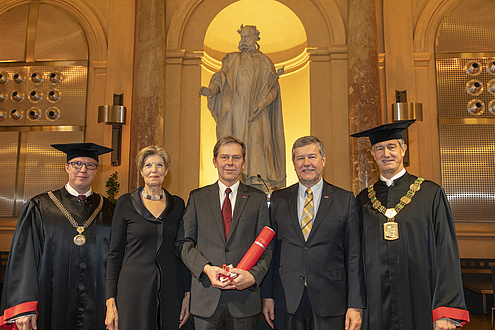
<point>257,248</point>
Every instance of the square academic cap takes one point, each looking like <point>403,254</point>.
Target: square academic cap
<point>74,150</point>
<point>385,132</point>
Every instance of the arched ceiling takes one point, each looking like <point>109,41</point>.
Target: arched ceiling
<point>282,34</point>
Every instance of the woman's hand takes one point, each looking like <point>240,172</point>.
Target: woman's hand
<point>112,319</point>
<point>184,311</point>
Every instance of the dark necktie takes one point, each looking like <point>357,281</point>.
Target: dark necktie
<point>227,212</point>
<point>82,198</point>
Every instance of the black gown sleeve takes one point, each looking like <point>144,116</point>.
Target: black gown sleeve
<point>20,288</point>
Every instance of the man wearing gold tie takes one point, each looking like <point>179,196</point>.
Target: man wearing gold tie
<point>316,278</point>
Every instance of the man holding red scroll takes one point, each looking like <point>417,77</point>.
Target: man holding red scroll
<point>316,277</point>
<point>220,224</point>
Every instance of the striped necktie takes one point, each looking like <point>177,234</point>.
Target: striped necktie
<point>307,217</point>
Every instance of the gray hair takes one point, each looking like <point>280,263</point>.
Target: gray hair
<point>151,151</point>
<point>402,143</point>
<point>307,140</point>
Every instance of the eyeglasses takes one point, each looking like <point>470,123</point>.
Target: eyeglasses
<point>79,165</point>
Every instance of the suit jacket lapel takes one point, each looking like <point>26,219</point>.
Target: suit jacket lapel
<point>325,202</point>
<point>214,201</point>
<point>240,202</point>
<point>294,217</point>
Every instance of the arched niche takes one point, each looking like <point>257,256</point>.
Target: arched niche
<point>89,21</point>
<point>325,55</point>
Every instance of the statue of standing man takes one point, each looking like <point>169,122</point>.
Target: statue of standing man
<point>244,99</point>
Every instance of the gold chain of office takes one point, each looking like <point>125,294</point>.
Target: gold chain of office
<point>391,228</point>
<point>80,239</point>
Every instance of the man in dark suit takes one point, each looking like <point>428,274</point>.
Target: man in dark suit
<point>220,223</point>
<point>316,277</point>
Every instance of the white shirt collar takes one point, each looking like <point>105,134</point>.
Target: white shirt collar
<point>316,188</point>
<point>73,191</point>
<point>390,181</point>
<point>234,187</point>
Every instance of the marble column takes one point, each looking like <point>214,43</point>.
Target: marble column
<point>364,89</point>
<point>148,104</point>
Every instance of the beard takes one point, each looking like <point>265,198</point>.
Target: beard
<point>244,47</point>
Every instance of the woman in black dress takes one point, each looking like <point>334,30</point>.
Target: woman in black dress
<point>147,285</point>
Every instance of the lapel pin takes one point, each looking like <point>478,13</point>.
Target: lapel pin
<point>243,196</point>
<point>325,196</point>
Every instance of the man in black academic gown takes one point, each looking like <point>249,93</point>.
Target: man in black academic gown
<point>57,261</point>
<point>412,268</point>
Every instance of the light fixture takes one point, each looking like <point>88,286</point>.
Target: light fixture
<point>52,113</point>
<point>490,67</point>
<point>476,107</point>
<point>55,77</point>
<point>19,78</point>
<point>35,96</point>
<point>114,115</point>
<point>36,78</point>
<point>490,86</point>
<point>17,97</point>
<point>34,113</point>
<point>474,87</point>
<point>403,110</point>
<point>472,68</point>
<point>491,107</point>
<point>53,96</point>
<point>4,78</point>
<point>15,115</point>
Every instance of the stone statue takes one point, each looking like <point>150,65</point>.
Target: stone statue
<point>244,99</point>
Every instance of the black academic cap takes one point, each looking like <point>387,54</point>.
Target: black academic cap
<point>74,150</point>
<point>385,132</point>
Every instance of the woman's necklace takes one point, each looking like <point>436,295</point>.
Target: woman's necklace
<point>152,198</point>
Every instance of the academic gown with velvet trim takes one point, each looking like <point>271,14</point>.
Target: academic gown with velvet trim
<point>143,272</point>
<point>47,271</point>
<point>415,279</point>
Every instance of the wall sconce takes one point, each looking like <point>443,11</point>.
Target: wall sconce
<point>36,78</point>
<point>490,86</point>
<point>491,107</point>
<point>472,68</point>
<point>34,113</point>
<point>114,115</point>
<point>490,67</point>
<point>4,78</point>
<point>52,113</point>
<point>17,97</point>
<point>403,110</point>
<point>35,96</point>
<point>476,107</point>
<point>19,78</point>
<point>474,87</point>
<point>15,114</point>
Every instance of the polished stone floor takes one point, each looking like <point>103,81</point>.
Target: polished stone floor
<point>478,322</point>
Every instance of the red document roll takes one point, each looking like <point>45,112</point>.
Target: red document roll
<point>257,248</point>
